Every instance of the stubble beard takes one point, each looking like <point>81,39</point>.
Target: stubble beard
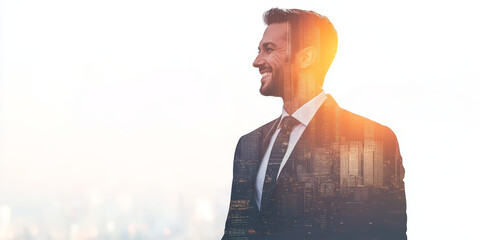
<point>272,88</point>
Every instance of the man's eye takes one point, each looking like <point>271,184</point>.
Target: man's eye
<point>268,50</point>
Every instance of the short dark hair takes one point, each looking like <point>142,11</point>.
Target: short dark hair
<point>307,28</point>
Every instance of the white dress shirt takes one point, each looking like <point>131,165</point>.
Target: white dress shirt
<point>304,115</point>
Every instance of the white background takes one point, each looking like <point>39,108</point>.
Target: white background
<point>147,99</point>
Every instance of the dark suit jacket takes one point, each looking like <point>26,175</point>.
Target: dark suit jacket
<point>343,180</point>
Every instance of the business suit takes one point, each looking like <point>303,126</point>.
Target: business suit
<point>343,180</point>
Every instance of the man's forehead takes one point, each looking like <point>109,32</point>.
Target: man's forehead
<point>275,33</point>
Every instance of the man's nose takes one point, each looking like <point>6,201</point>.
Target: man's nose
<point>259,61</point>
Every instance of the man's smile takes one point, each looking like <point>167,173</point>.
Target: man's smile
<point>265,74</point>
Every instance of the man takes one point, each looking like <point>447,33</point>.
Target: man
<point>317,171</point>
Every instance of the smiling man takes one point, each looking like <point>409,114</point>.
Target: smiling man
<point>317,171</point>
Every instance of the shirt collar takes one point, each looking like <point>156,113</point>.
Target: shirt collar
<point>306,112</point>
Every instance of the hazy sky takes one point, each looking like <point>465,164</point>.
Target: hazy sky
<point>153,96</point>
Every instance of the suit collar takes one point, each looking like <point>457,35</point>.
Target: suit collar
<point>305,113</point>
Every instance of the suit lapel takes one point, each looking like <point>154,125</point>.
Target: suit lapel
<point>256,151</point>
<point>266,136</point>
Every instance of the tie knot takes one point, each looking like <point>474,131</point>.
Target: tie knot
<point>288,122</point>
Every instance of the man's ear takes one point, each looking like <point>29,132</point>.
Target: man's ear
<point>306,57</point>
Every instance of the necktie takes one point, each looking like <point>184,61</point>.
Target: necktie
<point>278,152</point>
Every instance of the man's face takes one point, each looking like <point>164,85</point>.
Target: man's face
<point>273,60</point>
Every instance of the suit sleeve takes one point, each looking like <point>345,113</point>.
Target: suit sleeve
<point>238,220</point>
<point>395,218</point>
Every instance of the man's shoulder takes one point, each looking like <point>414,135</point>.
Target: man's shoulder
<point>353,118</point>
<point>260,131</point>
<point>250,144</point>
<point>354,123</point>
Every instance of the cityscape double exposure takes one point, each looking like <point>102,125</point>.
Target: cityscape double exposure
<point>318,171</point>
<point>345,180</point>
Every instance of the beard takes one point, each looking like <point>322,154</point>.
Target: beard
<point>273,87</point>
<point>280,83</point>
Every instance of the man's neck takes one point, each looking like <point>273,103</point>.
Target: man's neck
<point>308,86</point>
<point>293,103</point>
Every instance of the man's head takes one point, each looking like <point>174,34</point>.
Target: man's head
<point>296,45</point>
